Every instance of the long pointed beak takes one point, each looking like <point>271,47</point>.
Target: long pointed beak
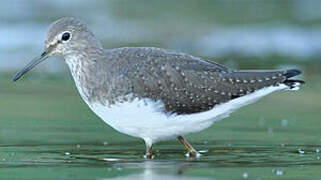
<point>31,65</point>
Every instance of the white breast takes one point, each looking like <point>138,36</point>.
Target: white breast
<point>144,118</point>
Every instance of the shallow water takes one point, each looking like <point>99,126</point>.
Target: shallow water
<point>240,160</point>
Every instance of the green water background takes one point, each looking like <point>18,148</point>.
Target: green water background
<point>47,132</point>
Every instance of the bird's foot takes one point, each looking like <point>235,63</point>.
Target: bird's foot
<point>149,156</point>
<point>193,154</point>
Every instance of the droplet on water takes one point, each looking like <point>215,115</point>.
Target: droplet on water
<point>245,175</point>
<point>111,159</point>
<point>105,143</point>
<point>301,151</point>
<point>284,122</point>
<point>203,151</point>
<point>279,172</point>
<point>78,145</point>
<point>187,154</point>
<point>317,150</point>
<point>67,153</point>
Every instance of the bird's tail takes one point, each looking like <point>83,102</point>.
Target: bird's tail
<point>293,84</point>
<point>252,80</point>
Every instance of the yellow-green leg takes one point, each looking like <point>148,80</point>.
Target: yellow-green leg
<point>192,152</point>
<point>148,152</point>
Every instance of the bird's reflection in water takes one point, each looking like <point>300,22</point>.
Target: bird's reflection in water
<point>158,171</point>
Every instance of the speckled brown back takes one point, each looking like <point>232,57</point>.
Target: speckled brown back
<point>185,84</point>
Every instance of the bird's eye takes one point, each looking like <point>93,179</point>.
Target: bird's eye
<point>65,36</point>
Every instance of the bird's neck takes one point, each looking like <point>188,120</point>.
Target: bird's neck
<point>80,66</point>
<point>92,75</point>
<point>83,60</point>
<point>75,64</point>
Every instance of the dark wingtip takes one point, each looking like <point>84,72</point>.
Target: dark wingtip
<point>294,84</point>
<point>292,72</point>
<point>291,81</point>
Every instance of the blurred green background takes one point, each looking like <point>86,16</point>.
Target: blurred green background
<point>47,132</point>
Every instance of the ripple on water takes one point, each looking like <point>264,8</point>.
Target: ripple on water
<point>243,157</point>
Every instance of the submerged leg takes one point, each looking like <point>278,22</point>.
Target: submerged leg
<point>148,152</point>
<point>148,143</point>
<point>188,146</point>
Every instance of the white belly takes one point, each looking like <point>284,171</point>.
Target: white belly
<point>144,118</point>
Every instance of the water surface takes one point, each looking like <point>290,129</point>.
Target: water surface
<point>237,160</point>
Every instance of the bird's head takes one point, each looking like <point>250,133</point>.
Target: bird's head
<point>66,36</point>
